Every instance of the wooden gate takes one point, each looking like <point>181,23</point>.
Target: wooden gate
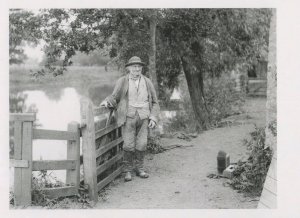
<point>24,134</point>
<point>102,148</point>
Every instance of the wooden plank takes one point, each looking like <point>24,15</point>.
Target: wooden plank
<point>27,155</point>
<point>73,152</point>
<point>261,205</point>
<point>60,192</point>
<point>89,147</point>
<point>18,163</point>
<point>271,184</point>
<point>268,199</point>
<point>108,146</point>
<point>54,165</point>
<point>22,117</point>
<point>18,156</point>
<point>269,194</point>
<point>109,163</point>
<point>54,134</point>
<point>108,179</point>
<point>106,130</point>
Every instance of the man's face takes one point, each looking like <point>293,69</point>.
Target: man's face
<point>135,69</point>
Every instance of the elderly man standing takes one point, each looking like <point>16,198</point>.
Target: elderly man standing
<point>136,104</point>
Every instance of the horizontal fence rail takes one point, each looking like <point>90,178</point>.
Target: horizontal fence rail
<point>106,130</point>
<point>22,117</point>
<point>53,134</point>
<point>108,179</point>
<point>54,165</point>
<point>109,163</point>
<point>108,146</point>
<point>60,191</point>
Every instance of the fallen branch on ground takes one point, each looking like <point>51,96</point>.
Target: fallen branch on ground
<point>176,146</point>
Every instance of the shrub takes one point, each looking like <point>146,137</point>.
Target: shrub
<point>250,176</point>
<point>154,145</point>
<point>222,100</point>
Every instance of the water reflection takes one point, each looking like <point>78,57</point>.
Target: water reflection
<point>53,113</point>
<point>98,93</point>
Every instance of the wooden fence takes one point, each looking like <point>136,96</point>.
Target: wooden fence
<point>102,148</point>
<point>24,134</point>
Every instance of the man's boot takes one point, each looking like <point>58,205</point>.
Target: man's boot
<point>128,165</point>
<point>139,157</point>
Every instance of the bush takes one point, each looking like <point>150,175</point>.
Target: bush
<point>222,100</point>
<point>154,145</point>
<point>250,176</point>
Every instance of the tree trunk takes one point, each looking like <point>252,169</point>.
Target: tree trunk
<point>152,52</point>
<point>195,85</point>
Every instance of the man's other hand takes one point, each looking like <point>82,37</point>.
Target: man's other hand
<point>152,124</point>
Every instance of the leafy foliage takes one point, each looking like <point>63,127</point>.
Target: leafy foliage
<point>154,145</point>
<point>23,28</point>
<point>250,176</point>
<point>222,101</point>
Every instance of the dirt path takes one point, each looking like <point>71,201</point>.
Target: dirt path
<point>178,177</point>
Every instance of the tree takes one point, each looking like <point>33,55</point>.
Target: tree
<point>208,42</point>
<point>23,28</point>
<point>152,53</point>
<point>200,42</point>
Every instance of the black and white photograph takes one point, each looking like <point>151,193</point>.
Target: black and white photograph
<point>142,108</point>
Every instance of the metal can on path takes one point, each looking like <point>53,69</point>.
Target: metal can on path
<point>223,160</point>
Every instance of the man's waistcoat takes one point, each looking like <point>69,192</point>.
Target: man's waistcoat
<point>138,99</point>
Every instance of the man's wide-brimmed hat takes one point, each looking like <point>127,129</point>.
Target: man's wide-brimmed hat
<point>135,60</point>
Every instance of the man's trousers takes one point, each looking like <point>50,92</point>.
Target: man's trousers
<point>135,133</point>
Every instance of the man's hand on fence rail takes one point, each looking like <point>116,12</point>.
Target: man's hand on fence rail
<point>105,104</point>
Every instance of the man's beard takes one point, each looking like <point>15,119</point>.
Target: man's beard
<point>135,75</point>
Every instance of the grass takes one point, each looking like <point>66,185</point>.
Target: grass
<point>77,77</point>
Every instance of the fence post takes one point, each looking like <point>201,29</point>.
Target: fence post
<point>89,147</point>
<point>73,153</point>
<point>17,156</point>
<point>26,184</point>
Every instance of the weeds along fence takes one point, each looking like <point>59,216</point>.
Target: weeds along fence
<point>24,134</point>
<point>102,148</point>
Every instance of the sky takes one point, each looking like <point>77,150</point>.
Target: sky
<point>34,52</point>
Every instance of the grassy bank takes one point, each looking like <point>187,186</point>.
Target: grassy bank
<point>77,77</point>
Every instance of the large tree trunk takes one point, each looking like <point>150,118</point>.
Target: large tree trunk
<point>195,85</point>
<point>152,52</point>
